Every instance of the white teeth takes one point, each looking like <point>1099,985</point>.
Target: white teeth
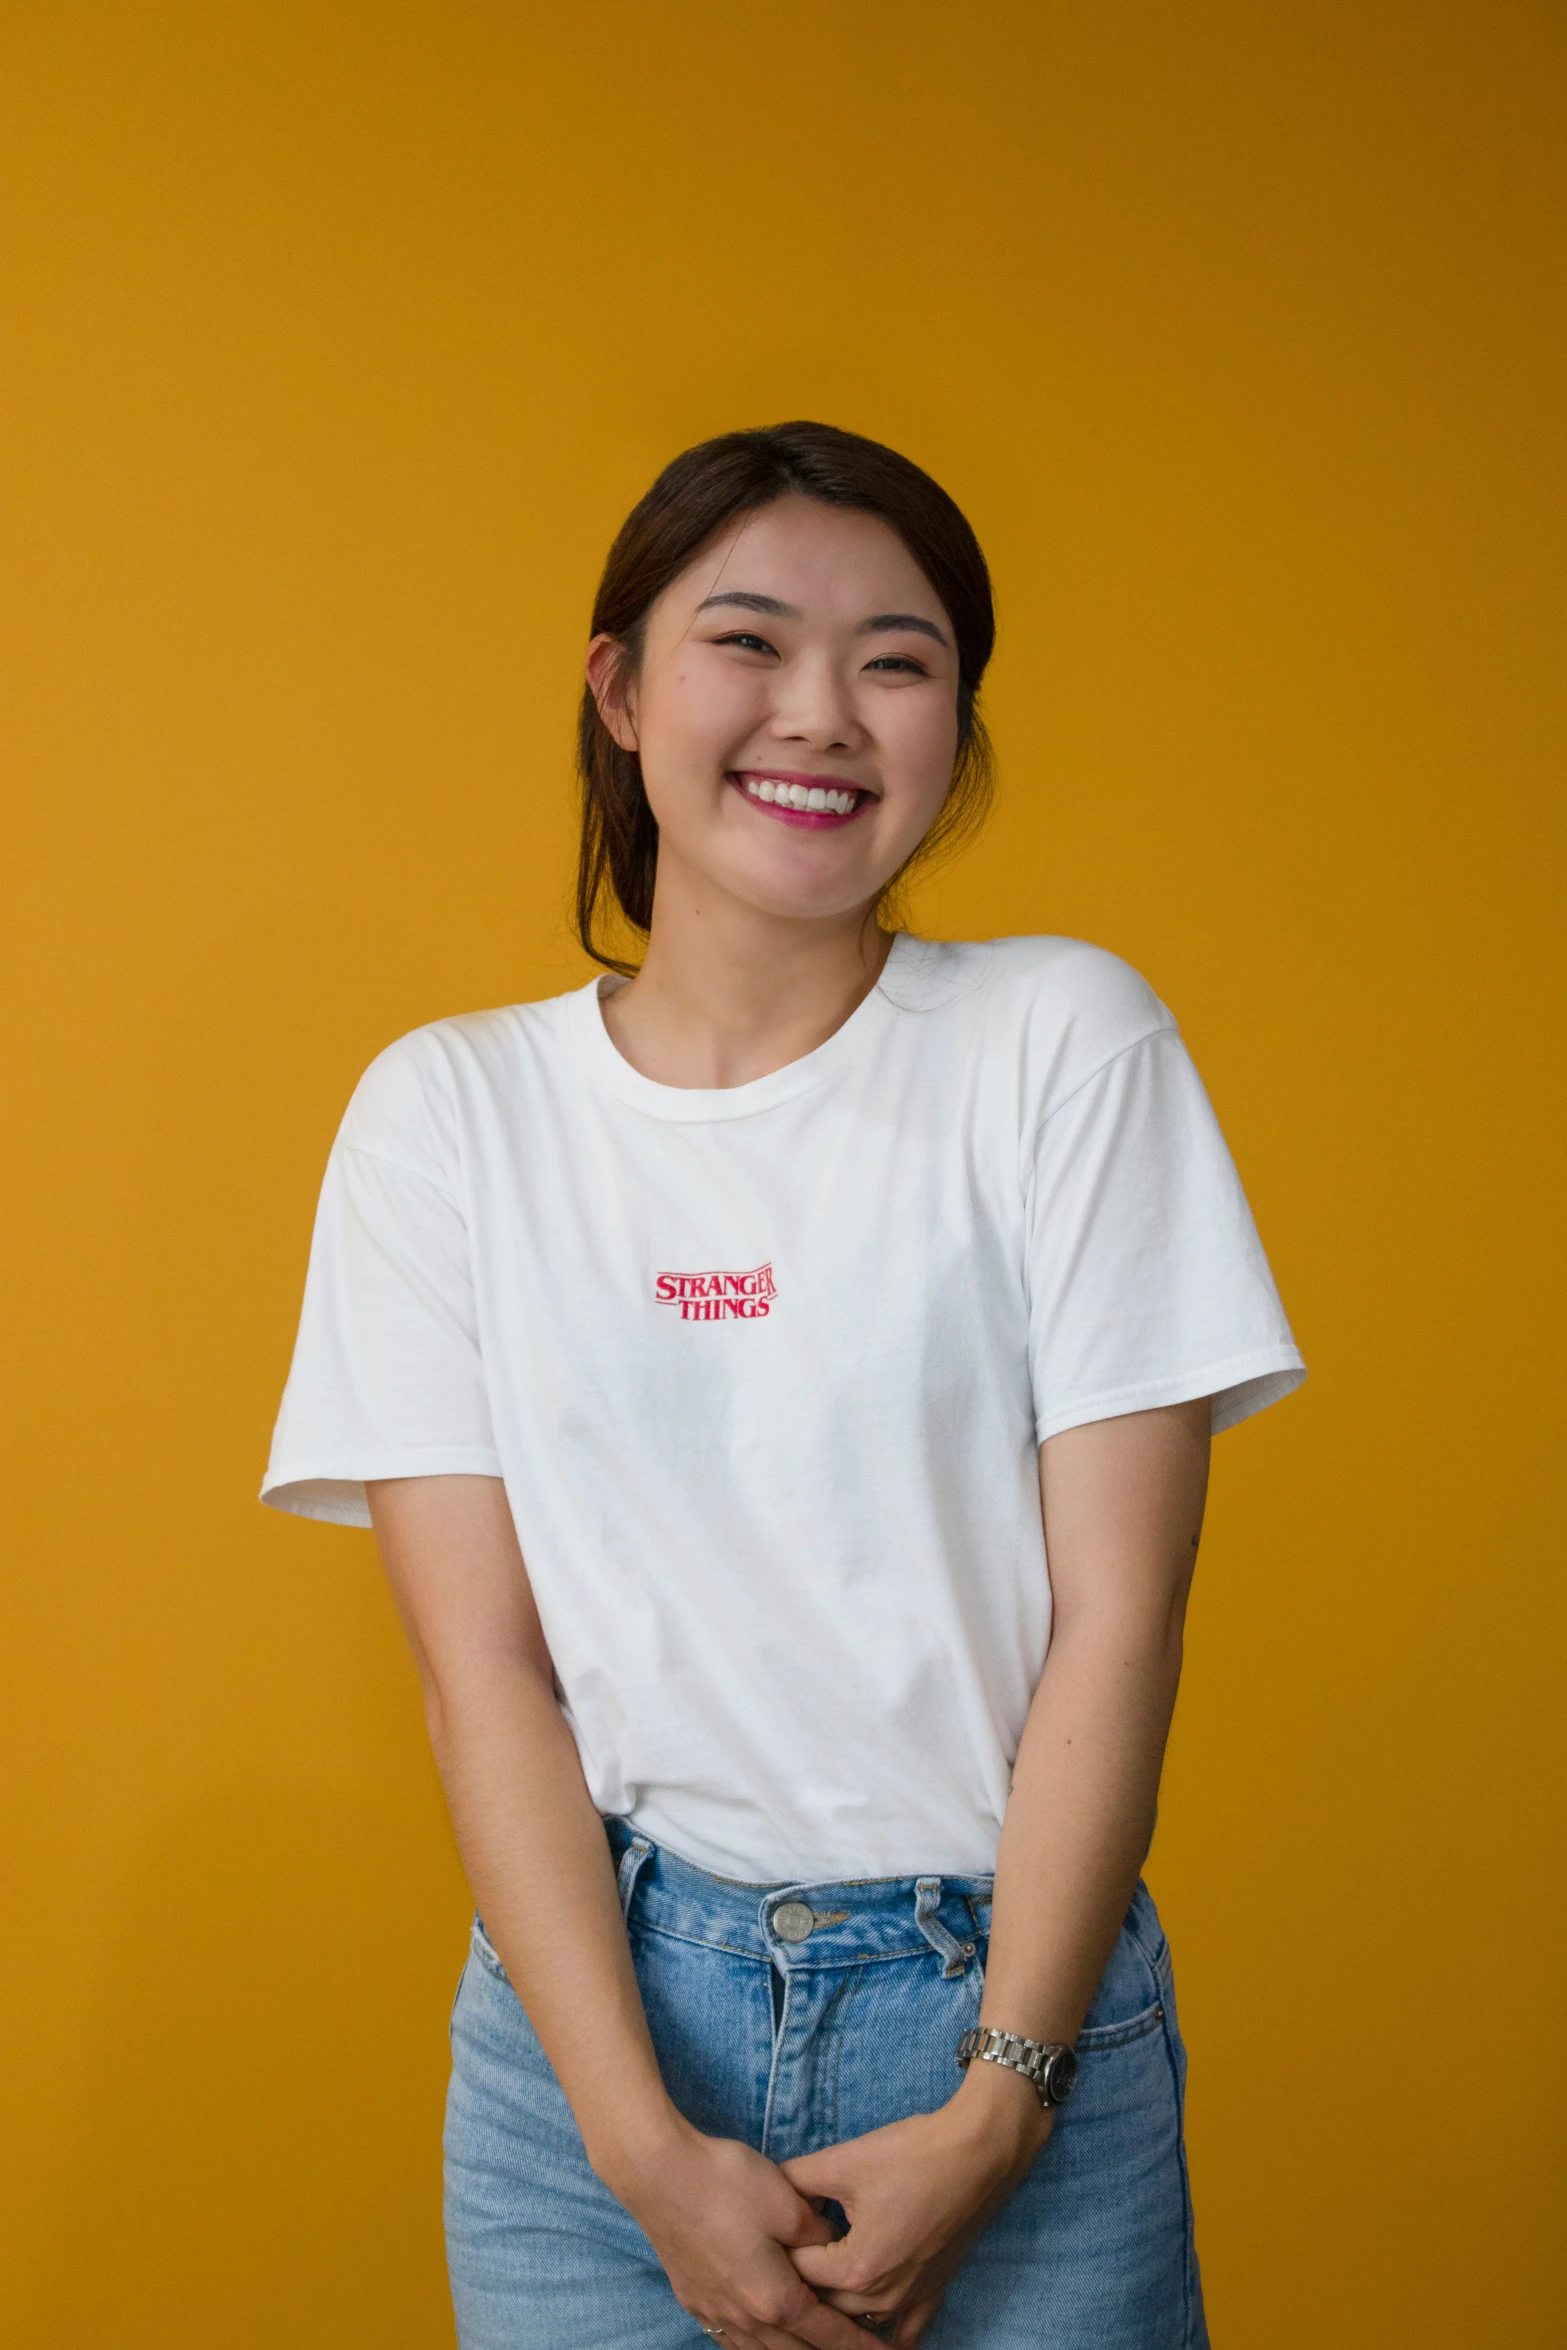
<point>813,798</point>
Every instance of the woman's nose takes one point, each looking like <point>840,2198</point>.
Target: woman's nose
<point>813,704</point>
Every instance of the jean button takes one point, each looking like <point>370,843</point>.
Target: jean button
<point>793,1920</point>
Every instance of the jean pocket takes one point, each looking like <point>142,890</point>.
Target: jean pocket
<point>451,2019</point>
<point>486,1953</point>
<point>1134,1988</point>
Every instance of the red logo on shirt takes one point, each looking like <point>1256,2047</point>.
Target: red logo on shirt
<point>719,1297</point>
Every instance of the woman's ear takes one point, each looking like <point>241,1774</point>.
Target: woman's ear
<point>610,684</point>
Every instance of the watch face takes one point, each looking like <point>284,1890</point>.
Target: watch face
<point>1060,2076</point>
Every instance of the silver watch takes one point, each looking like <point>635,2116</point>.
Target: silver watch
<point>1051,2068</point>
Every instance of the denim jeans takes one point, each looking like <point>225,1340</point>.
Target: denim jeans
<point>795,2016</point>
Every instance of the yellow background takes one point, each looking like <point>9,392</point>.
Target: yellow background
<point>338,340</point>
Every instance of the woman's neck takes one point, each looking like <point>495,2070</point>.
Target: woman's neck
<point>727,994</point>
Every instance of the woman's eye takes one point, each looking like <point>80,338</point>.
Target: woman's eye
<point>899,661</point>
<point>745,640</point>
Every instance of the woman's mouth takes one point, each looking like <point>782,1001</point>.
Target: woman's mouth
<point>816,800</point>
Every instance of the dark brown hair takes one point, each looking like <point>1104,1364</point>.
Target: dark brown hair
<point>699,494</point>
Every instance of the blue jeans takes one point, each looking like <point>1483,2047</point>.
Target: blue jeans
<point>795,2044</point>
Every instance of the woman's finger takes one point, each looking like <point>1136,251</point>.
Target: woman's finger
<point>914,2324</point>
<point>824,2328</point>
<point>819,2175</point>
<point>814,2336</point>
<point>805,2225</point>
<point>809,2325</point>
<point>757,2338</point>
<point>824,2266</point>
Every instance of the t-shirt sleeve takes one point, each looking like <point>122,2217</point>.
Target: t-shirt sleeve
<point>1147,1281</point>
<point>387,1379</point>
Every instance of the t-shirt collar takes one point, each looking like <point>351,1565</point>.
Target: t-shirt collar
<point>695,1105</point>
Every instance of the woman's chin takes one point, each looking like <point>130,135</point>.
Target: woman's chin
<point>780,897</point>
<point>808,878</point>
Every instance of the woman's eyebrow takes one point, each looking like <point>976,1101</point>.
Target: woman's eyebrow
<point>768,604</point>
<point>902,620</point>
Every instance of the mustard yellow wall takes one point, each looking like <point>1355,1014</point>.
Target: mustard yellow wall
<point>339,338</point>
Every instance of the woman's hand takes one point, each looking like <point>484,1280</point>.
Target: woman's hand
<point>724,2221</point>
<point>915,2195</point>
<point>721,2218</point>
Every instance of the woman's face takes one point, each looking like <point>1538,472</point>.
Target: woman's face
<point>795,710</point>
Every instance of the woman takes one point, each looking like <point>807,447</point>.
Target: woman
<point>717,1352</point>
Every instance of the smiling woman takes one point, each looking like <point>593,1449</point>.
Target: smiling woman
<point>780,1376</point>
<point>801,501</point>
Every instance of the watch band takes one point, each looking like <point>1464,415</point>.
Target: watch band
<point>1047,2065</point>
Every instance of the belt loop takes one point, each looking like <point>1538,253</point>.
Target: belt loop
<point>927,1901</point>
<point>631,1861</point>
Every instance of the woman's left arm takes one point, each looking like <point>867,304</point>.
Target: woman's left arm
<point>1123,1502</point>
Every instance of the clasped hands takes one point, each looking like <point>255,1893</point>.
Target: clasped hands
<point>750,2252</point>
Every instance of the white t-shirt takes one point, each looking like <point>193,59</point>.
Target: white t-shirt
<point>765,1370</point>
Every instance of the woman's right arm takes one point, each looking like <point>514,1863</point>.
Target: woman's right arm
<point>719,2215</point>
